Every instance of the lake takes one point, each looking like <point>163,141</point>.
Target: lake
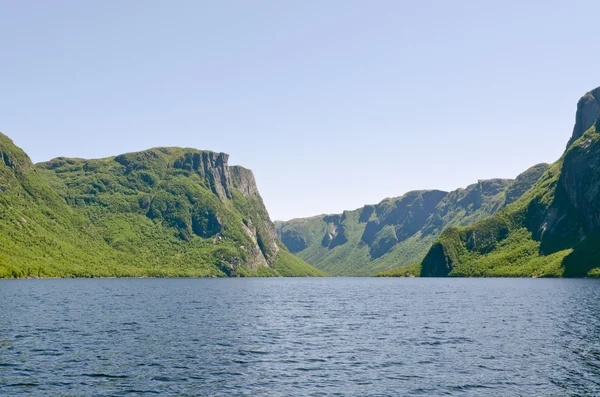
<point>299,337</point>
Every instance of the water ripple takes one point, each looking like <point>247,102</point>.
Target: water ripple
<point>299,337</point>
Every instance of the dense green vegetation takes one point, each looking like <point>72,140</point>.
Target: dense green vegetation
<point>165,212</point>
<point>553,230</point>
<point>397,231</point>
<point>183,212</point>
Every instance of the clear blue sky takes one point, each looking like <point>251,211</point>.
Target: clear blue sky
<point>332,104</point>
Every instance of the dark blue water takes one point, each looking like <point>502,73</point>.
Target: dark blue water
<point>299,337</point>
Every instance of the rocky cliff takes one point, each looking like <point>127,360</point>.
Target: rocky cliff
<point>552,230</point>
<point>397,231</point>
<point>588,111</point>
<point>159,212</point>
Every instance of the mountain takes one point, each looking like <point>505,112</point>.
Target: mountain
<point>552,230</point>
<point>160,212</point>
<point>397,231</point>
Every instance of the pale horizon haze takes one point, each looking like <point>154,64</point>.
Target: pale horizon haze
<point>332,104</point>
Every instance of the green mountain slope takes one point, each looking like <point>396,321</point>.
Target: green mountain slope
<point>160,212</point>
<point>553,230</point>
<point>397,231</point>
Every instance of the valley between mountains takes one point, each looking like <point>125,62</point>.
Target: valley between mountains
<point>180,212</point>
<point>545,223</point>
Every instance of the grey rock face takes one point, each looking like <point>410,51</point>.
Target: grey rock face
<point>336,234</point>
<point>214,168</point>
<point>217,171</point>
<point>588,111</point>
<point>243,180</point>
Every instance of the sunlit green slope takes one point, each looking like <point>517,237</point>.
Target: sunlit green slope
<point>553,230</point>
<point>161,212</point>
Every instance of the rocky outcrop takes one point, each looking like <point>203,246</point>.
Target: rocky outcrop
<point>256,255</point>
<point>336,233</point>
<point>210,166</point>
<point>243,180</point>
<point>588,111</point>
<point>217,170</point>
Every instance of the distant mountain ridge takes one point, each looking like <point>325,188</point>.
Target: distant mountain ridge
<point>397,231</point>
<point>159,212</point>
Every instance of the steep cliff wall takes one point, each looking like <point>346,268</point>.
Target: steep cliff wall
<point>553,230</point>
<point>588,111</point>
<point>162,211</point>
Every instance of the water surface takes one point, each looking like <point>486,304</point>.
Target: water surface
<point>299,337</point>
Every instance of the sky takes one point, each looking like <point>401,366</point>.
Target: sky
<point>332,104</point>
